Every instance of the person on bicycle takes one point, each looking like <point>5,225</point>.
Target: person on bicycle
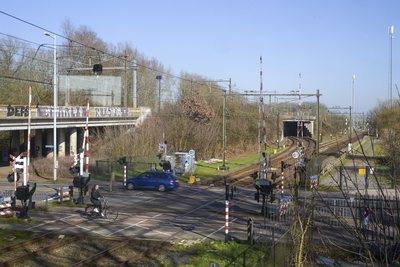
<point>95,199</point>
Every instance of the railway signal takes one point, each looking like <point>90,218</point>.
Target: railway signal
<point>254,175</point>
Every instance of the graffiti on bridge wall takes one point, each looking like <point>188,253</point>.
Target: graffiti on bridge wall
<point>18,111</point>
<point>80,112</point>
<point>67,112</point>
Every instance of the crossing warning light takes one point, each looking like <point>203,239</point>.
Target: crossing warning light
<point>122,161</point>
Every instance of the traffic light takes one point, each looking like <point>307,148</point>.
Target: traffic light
<point>284,165</point>
<point>254,175</point>
<point>74,170</point>
<point>122,161</point>
<point>10,177</point>
<point>274,176</point>
<point>97,69</point>
<point>165,164</point>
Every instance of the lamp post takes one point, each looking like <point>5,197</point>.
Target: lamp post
<point>159,77</point>
<point>55,107</point>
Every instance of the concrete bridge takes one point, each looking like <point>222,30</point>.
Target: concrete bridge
<point>290,125</point>
<point>70,120</point>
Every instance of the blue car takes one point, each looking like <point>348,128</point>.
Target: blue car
<point>161,181</point>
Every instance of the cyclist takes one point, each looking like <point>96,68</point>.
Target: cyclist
<point>95,199</point>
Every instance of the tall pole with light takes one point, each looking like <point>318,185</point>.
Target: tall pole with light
<point>159,77</point>
<point>390,31</point>
<point>353,104</point>
<point>55,107</point>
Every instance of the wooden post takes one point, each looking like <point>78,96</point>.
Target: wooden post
<point>61,195</point>
<point>112,182</point>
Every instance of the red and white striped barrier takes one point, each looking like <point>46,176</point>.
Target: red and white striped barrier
<point>226,217</point>
<point>4,206</point>
<point>124,176</point>
<point>284,206</point>
<point>313,181</point>
<point>87,136</point>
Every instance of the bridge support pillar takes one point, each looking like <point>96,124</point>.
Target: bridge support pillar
<point>61,142</point>
<point>49,141</point>
<point>38,143</point>
<point>16,137</point>
<point>73,139</point>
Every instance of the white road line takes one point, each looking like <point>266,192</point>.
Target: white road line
<point>157,215</point>
<point>67,217</point>
<point>39,225</point>
<point>121,229</point>
<point>222,227</point>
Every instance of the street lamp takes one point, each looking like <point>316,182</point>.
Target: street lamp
<point>159,77</point>
<point>55,107</point>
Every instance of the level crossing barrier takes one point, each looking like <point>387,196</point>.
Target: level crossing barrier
<point>41,199</point>
<point>5,206</point>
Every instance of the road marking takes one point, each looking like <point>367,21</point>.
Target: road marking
<point>121,229</point>
<point>39,225</point>
<point>157,215</point>
<point>222,227</point>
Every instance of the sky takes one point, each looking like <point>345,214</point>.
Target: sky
<point>326,41</point>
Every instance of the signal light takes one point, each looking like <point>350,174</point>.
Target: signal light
<point>97,69</point>
<point>10,177</point>
<point>74,170</point>
<point>254,175</point>
<point>121,161</point>
<point>274,176</point>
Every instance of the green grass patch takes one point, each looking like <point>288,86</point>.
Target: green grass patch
<point>230,254</point>
<point>66,203</point>
<point>11,220</point>
<point>19,236</point>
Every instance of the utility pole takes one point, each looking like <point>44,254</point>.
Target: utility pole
<point>331,125</point>
<point>317,122</point>
<point>125,83</point>
<point>277,130</point>
<point>350,124</point>
<point>224,129</point>
<point>159,77</point>
<point>134,83</point>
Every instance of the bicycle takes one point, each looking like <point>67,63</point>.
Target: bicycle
<point>110,212</point>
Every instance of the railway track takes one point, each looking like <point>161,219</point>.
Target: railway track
<point>121,253</point>
<point>241,177</point>
<point>42,247</point>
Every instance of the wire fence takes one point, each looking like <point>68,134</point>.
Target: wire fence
<point>135,165</point>
<point>41,199</point>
